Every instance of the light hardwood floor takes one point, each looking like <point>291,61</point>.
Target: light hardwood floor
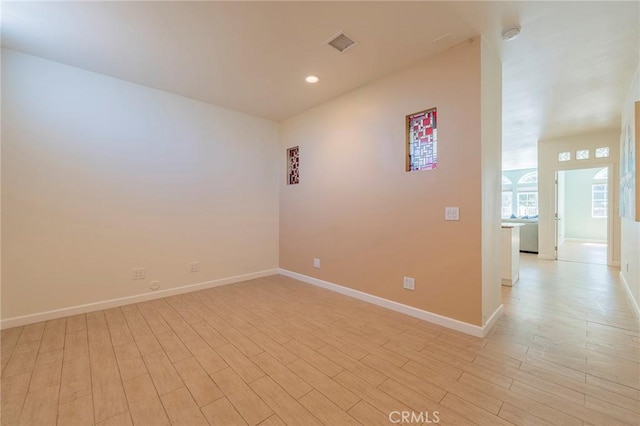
<point>275,351</point>
<point>585,252</point>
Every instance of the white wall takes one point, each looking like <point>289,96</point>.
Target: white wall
<point>561,207</point>
<point>100,176</point>
<point>630,267</point>
<point>491,155</point>
<point>578,222</point>
<point>548,164</point>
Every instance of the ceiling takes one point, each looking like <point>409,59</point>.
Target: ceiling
<point>567,72</point>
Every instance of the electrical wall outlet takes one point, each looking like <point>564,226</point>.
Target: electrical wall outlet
<point>452,213</point>
<point>194,267</point>
<point>316,263</point>
<point>409,283</point>
<point>137,274</point>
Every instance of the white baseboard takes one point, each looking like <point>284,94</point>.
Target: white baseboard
<point>443,321</point>
<point>112,303</point>
<point>495,316</point>
<point>634,304</point>
<point>583,240</point>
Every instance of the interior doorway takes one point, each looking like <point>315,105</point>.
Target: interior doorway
<point>582,215</point>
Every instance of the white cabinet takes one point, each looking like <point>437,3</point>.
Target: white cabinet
<point>528,234</point>
<point>529,238</point>
<point>510,253</point>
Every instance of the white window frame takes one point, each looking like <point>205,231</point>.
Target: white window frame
<point>602,152</point>
<point>602,175</point>
<point>599,188</point>
<point>530,210</point>
<point>527,185</point>
<point>529,179</point>
<point>502,206</point>
<point>600,185</point>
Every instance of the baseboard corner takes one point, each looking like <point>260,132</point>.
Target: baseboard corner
<point>113,303</point>
<point>634,303</point>
<point>427,316</point>
<point>493,319</point>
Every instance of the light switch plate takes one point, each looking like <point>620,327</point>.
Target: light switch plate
<point>409,283</point>
<point>452,213</point>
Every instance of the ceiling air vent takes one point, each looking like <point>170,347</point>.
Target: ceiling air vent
<point>341,42</point>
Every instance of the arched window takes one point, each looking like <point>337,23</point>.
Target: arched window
<point>529,178</point>
<point>528,196</point>
<point>507,198</point>
<point>602,174</point>
<point>599,194</point>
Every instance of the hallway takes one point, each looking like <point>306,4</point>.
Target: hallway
<point>578,333</point>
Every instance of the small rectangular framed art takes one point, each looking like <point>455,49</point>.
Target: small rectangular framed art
<point>422,140</point>
<point>293,165</point>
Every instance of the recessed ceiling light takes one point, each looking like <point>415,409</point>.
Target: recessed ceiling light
<point>510,33</point>
<point>311,79</point>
